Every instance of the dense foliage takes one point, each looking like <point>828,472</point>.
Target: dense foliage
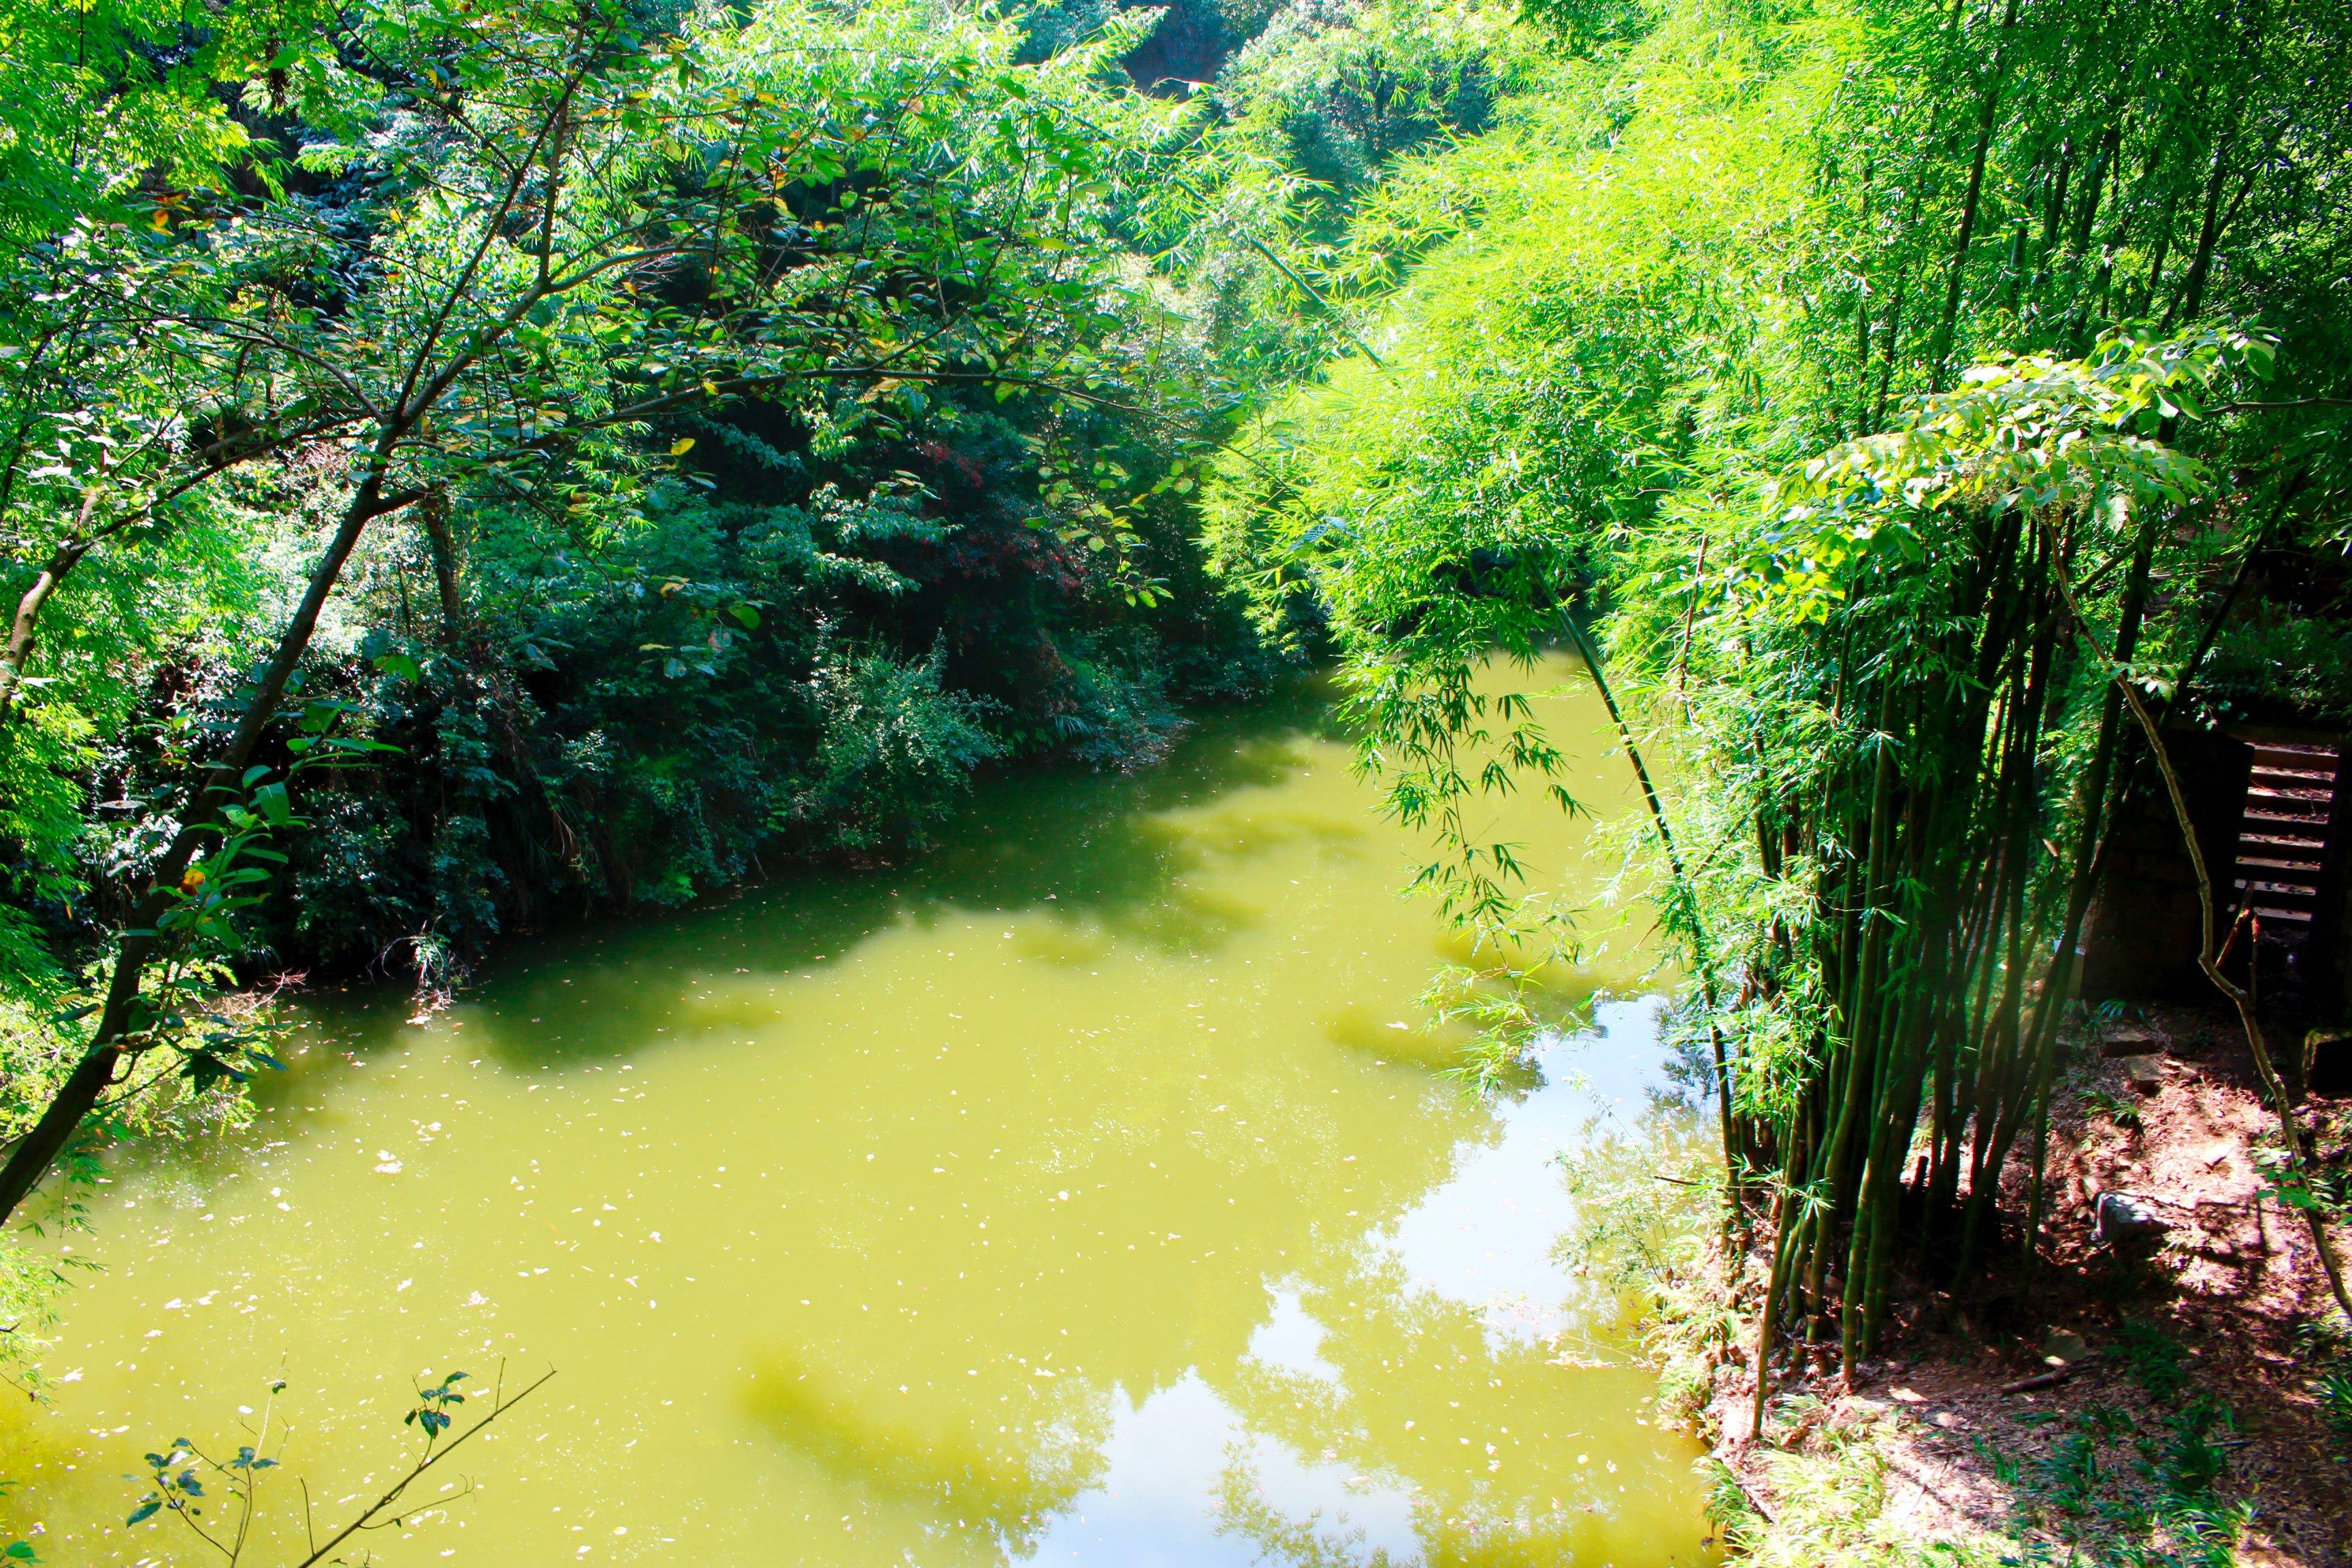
<point>470,463</point>
<point>594,447</point>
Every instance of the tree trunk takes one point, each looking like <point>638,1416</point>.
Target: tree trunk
<point>434,513</point>
<point>40,1147</point>
<point>2192,298</point>
<point>26,626</point>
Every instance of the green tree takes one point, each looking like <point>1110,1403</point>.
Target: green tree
<point>552,230</point>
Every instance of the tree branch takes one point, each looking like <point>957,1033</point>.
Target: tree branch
<point>367,1519</point>
<point>2209,955</point>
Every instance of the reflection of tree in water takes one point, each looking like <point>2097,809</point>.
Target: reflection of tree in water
<point>1514,1451</point>
<point>997,1488</point>
<point>1298,1542</point>
<point>1096,851</point>
<point>1207,1190</point>
<point>1631,1237</point>
<point>1011,1447</point>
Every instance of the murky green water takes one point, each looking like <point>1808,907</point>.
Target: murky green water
<point>1084,1194</point>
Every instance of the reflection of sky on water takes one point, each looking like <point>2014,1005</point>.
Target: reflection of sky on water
<point>1483,1240</point>
<point>1167,1458</point>
<point>1291,1339</point>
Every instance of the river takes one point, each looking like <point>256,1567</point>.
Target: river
<point>1083,1193</point>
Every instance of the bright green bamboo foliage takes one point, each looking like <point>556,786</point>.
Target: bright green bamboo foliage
<point>1882,681</point>
<point>2021,174</point>
<point>1727,238</point>
<point>1908,766</point>
<point>1731,239</point>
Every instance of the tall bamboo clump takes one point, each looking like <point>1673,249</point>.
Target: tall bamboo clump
<point>1914,736</point>
<point>1903,668</point>
<point>1910,745</point>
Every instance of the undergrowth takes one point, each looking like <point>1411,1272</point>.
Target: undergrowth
<point>2106,1487</point>
<point>2112,1491</point>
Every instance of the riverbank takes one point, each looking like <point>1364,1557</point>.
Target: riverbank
<point>2190,1401</point>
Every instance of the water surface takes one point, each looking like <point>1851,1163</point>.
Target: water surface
<point>1085,1193</point>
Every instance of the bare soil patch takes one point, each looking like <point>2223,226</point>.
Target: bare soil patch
<point>2037,1407</point>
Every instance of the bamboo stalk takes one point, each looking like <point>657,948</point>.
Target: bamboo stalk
<point>1683,892</point>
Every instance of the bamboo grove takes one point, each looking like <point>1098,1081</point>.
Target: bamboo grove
<point>1927,407</point>
<point>1957,734</point>
<point>1964,735</point>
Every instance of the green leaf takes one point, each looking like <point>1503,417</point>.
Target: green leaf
<point>272,800</point>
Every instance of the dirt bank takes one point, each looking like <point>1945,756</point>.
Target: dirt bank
<point>2154,1401</point>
